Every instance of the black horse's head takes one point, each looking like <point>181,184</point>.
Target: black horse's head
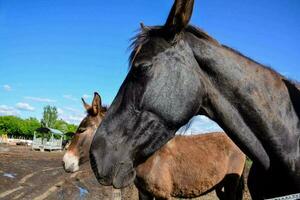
<point>160,93</point>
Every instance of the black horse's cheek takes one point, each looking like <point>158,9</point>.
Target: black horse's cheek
<point>125,176</point>
<point>100,161</point>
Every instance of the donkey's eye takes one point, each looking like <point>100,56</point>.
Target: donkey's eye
<point>81,130</point>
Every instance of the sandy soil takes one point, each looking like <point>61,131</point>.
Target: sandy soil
<point>34,175</point>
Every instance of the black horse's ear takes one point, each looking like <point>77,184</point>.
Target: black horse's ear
<point>86,106</point>
<point>97,104</point>
<point>179,16</point>
<point>143,27</point>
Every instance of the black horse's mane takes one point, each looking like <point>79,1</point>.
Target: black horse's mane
<point>147,32</point>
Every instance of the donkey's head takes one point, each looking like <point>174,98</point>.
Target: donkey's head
<point>78,150</point>
<point>160,93</point>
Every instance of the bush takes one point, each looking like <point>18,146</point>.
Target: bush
<point>17,126</point>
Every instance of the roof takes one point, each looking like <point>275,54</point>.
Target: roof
<point>51,130</point>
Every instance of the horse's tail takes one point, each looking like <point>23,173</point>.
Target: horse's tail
<point>241,186</point>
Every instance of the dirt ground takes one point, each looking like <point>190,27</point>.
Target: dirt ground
<point>34,175</point>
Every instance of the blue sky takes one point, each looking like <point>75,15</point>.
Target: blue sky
<point>54,52</point>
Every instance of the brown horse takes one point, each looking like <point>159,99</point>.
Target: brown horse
<point>191,166</point>
<point>187,166</point>
<point>78,150</point>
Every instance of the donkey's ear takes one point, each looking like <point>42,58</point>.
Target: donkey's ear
<point>97,104</point>
<point>179,16</point>
<point>85,105</point>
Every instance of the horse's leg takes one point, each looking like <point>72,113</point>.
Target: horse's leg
<point>240,188</point>
<point>233,187</point>
<point>255,182</point>
<point>220,194</point>
<point>145,195</point>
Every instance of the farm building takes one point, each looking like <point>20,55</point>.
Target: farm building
<point>47,139</point>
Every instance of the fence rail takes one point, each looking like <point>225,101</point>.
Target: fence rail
<point>287,197</point>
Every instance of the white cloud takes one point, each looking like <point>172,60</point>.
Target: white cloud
<point>204,118</point>
<point>7,87</point>
<point>75,119</point>
<point>74,110</point>
<point>72,118</point>
<point>7,110</point>
<point>86,96</point>
<point>39,99</point>
<point>60,111</point>
<point>69,97</point>
<point>199,124</point>
<point>24,106</point>
<point>71,115</point>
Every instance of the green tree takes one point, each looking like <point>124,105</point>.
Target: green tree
<point>30,125</point>
<point>72,128</point>
<point>61,125</point>
<point>49,116</point>
<point>68,129</point>
<point>12,125</point>
<point>16,126</point>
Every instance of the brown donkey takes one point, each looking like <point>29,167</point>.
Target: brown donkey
<point>187,166</point>
<point>191,166</point>
<point>78,150</point>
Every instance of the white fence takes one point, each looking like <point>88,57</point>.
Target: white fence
<point>11,140</point>
<point>44,144</point>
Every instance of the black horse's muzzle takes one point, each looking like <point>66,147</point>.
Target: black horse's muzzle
<point>102,179</point>
<point>118,175</point>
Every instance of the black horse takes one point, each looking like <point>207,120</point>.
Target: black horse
<point>178,71</point>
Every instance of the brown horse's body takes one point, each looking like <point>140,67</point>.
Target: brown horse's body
<point>189,166</point>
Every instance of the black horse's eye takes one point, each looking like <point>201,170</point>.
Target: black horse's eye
<point>143,67</point>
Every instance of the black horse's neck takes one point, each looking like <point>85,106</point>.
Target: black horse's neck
<point>250,102</point>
